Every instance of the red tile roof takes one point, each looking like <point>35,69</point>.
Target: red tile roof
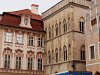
<point>14,19</point>
<point>27,12</point>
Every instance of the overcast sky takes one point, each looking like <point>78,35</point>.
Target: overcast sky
<point>13,5</point>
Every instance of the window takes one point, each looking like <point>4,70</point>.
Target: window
<point>49,55</point>
<point>82,53</point>
<point>26,21</point>
<point>30,41</point>
<point>64,25</point>
<point>49,33</point>
<point>65,53</point>
<point>7,61</point>
<point>8,37</point>
<point>59,28</point>
<point>59,53</point>
<point>40,42</point>
<point>19,39</point>
<point>52,31</point>
<point>81,25</point>
<point>56,29</point>
<point>40,64</point>
<point>92,52</point>
<point>30,63</point>
<point>18,62</point>
<point>56,51</point>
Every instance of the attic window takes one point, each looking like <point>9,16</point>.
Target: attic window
<point>26,21</point>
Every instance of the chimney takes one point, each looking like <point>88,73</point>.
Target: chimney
<point>34,9</point>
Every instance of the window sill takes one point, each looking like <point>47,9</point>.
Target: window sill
<point>8,42</point>
<point>19,44</point>
<point>31,45</point>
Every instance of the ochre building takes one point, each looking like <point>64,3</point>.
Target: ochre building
<point>64,24</point>
<point>21,42</point>
<point>92,42</point>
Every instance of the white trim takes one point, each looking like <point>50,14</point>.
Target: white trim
<point>94,53</point>
<point>98,50</point>
<point>92,64</point>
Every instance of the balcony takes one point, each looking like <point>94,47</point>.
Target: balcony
<point>20,71</point>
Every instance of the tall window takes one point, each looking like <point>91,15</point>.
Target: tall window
<point>40,42</point>
<point>8,37</point>
<point>81,25</point>
<point>52,31</point>
<point>18,62</point>
<point>7,61</point>
<point>59,28</point>
<point>82,53</point>
<point>99,50</point>
<point>40,64</point>
<point>49,56</point>
<point>64,25</point>
<point>19,39</point>
<point>49,33</point>
<point>30,63</point>
<point>92,52</point>
<point>59,54</point>
<point>30,41</point>
<point>65,53</point>
<point>56,29</point>
<point>56,51</point>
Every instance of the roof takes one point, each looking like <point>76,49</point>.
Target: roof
<point>13,19</point>
<point>27,12</point>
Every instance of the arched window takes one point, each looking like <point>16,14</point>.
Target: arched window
<point>49,33</point>
<point>82,53</point>
<point>56,52</point>
<point>59,54</point>
<point>49,56</point>
<point>64,25</point>
<point>59,28</point>
<point>65,53</point>
<point>81,24</point>
<point>52,56</point>
<point>52,31</point>
<point>56,29</point>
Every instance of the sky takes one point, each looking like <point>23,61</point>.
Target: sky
<point>13,5</point>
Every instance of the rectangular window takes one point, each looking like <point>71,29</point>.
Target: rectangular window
<point>8,37</point>
<point>18,62</point>
<point>30,63</point>
<point>7,61</point>
<point>30,41</point>
<point>82,26</point>
<point>40,42</point>
<point>40,64</point>
<point>19,39</point>
<point>82,55</point>
<point>92,52</point>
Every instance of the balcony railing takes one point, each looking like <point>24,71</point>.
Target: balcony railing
<point>36,72</point>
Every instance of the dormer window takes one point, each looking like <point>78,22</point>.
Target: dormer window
<point>25,20</point>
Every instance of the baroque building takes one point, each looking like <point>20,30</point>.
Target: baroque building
<point>64,24</point>
<point>92,43</point>
<point>21,42</point>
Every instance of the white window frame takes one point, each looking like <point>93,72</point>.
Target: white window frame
<point>7,61</point>
<point>31,62</point>
<point>98,50</point>
<point>19,39</point>
<point>8,38</point>
<point>18,62</point>
<point>41,41</point>
<point>90,52</point>
<point>29,39</point>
